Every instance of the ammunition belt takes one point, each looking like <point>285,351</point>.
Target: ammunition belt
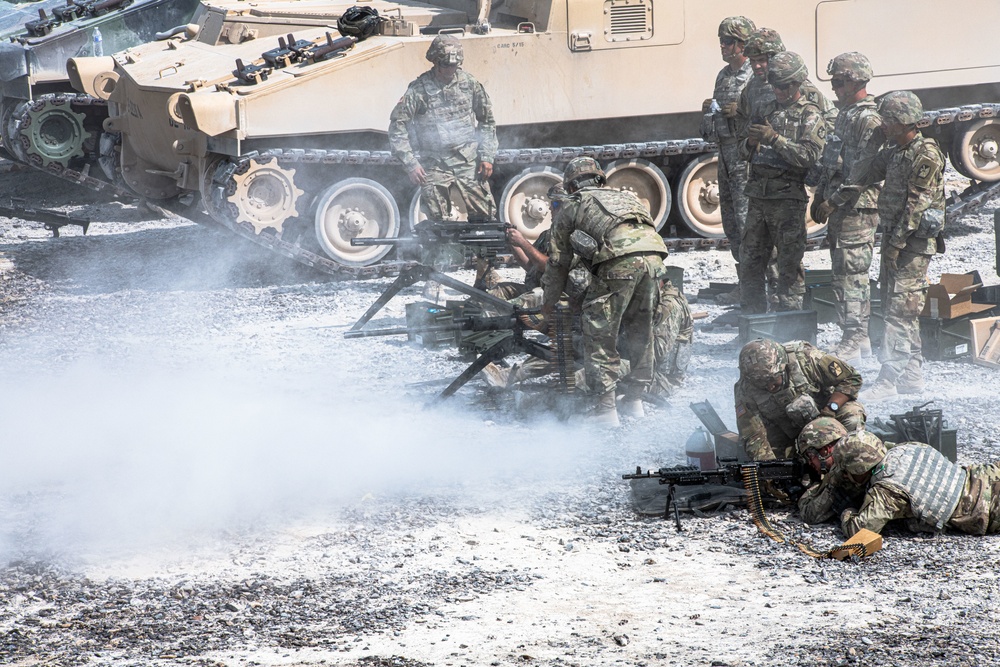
<point>756,507</point>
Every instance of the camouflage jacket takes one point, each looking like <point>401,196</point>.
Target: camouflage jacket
<point>976,512</point>
<point>729,85</point>
<point>836,491</point>
<point>615,219</point>
<point>758,94</point>
<point>810,372</point>
<point>855,140</point>
<point>911,204</point>
<point>444,125</point>
<point>778,171</point>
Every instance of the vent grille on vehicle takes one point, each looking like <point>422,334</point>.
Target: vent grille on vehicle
<point>628,19</point>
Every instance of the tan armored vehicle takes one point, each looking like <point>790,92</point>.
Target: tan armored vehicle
<point>278,122</point>
<point>42,120</point>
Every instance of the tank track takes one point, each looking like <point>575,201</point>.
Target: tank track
<point>971,198</point>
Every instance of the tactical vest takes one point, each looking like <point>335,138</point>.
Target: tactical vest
<point>933,483</point>
<point>773,406</point>
<point>445,119</point>
<point>844,146</point>
<point>787,122</point>
<point>728,86</point>
<point>602,211</point>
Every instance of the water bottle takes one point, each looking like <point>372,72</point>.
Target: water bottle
<point>97,46</point>
<point>700,449</point>
<point>715,108</point>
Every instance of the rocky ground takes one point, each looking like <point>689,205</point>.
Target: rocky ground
<point>199,470</point>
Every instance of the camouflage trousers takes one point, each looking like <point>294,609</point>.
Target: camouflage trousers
<point>852,242</point>
<point>733,173</point>
<point>623,296</point>
<point>903,294</point>
<point>778,224</point>
<point>673,334</point>
<point>978,511</point>
<point>456,194</point>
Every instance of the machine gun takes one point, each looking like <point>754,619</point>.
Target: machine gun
<point>509,317</point>
<point>483,239</point>
<point>729,473</point>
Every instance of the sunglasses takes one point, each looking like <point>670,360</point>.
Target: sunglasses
<point>727,41</point>
<point>784,86</point>
<point>838,83</point>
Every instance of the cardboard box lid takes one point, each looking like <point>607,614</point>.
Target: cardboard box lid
<point>952,297</point>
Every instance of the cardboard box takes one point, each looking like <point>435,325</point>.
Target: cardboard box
<point>869,542</point>
<point>952,297</point>
<point>985,335</point>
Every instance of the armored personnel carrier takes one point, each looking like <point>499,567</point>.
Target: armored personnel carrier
<point>42,120</point>
<point>277,122</point>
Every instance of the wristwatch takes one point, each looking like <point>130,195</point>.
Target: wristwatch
<point>834,406</point>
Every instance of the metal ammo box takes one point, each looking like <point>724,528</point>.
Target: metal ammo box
<point>918,425</point>
<point>781,326</point>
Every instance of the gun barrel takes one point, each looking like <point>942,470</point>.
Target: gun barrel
<point>398,331</point>
<point>375,240</point>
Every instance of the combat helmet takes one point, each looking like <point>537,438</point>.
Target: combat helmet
<point>762,360</point>
<point>763,42</point>
<point>737,27</point>
<point>853,66</point>
<point>819,433</point>
<point>901,106</point>
<point>446,50</point>
<point>861,452</point>
<point>578,169</point>
<point>785,68</point>
<point>359,22</point>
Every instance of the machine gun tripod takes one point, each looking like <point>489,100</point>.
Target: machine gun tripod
<point>509,318</point>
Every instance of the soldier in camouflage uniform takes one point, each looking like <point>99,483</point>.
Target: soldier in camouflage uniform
<point>782,148</point>
<point>443,132</point>
<point>673,334</point>
<point>729,84</point>
<point>613,233</point>
<point>911,213</point>
<point>818,445</point>
<point>850,209</point>
<point>782,387</point>
<point>916,483</point>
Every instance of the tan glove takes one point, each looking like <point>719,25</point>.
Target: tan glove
<point>706,106</point>
<point>762,134</point>
<point>729,109</point>
<point>821,213</point>
<point>890,255</point>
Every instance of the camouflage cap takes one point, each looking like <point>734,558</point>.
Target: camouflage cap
<point>819,433</point>
<point>737,27</point>
<point>761,360</point>
<point>581,166</point>
<point>763,42</point>
<point>901,106</point>
<point>861,452</point>
<point>852,65</point>
<point>446,50</point>
<point>786,67</point>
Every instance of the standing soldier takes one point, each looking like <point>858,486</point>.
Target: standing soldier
<point>782,146</point>
<point>851,209</point>
<point>717,127</point>
<point>911,212</point>
<point>784,386</point>
<point>613,234</point>
<point>443,132</point>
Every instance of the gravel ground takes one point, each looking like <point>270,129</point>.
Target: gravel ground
<point>199,469</point>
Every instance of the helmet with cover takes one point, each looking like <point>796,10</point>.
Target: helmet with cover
<point>579,169</point>
<point>786,68</point>
<point>901,106</point>
<point>762,361</point>
<point>763,42</point>
<point>860,453</point>
<point>819,433</point>
<point>737,27</point>
<point>446,51</point>
<point>852,66</point>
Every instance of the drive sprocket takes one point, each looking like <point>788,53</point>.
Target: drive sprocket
<point>262,193</point>
<point>51,132</point>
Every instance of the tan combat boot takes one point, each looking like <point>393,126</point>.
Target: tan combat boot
<point>881,390</point>
<point>631,406</point>
<point>605,412</point>
<point>853,347</point>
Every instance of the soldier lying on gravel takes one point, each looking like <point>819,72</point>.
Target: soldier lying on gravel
<point>915,482</point>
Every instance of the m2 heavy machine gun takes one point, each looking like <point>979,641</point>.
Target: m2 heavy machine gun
<point>433,237</point>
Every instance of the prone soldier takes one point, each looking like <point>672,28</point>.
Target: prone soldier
<point>782,387</point>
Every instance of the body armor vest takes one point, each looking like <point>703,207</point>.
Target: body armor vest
<point>933,483</point>
<point>447,120</point>
<point>602,210</point>
<point>773,406</point>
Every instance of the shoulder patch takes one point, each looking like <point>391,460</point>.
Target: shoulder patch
<point>925,168</point>
<point>836,370</point>
<point>741,410</point>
